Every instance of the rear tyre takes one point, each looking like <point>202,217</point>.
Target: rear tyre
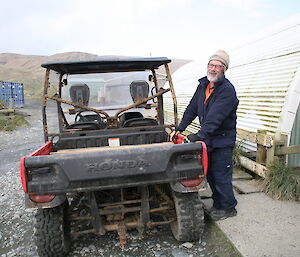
<point>189,225</point>
<point>52,231</point>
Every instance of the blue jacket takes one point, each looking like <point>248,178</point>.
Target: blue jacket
<point>217,117</point>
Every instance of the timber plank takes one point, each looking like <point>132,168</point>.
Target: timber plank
<point>253,166</point>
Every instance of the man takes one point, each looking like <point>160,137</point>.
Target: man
<point>215,104</point>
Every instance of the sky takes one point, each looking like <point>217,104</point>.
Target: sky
<point>185,29</point>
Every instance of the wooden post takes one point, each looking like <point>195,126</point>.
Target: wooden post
<point>279,145</point>
<point>261,151</point>
<point>270,158</point>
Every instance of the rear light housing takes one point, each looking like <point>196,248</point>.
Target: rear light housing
<point>44,150</point>
<point>41,198</point>
<point>195,182</point>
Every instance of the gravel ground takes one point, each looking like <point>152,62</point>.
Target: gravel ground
<point>16,223</point>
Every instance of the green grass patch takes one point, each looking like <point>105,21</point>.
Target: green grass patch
<point>280,183</point>
<point>237,151</point>
<point>10,123</point>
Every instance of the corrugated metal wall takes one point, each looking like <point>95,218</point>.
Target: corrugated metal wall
<point>266,75</point>
<point>262,88</point>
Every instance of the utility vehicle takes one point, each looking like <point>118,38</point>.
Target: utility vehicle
<point>108,164</point>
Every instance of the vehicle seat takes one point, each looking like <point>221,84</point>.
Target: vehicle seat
<point>129,115</point>
<point>139,89</point>
<point>80,93</point>
<point>140,122</point>
<point>86,126</point>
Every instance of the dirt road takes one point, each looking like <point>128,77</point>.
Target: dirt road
<point>16,226</point>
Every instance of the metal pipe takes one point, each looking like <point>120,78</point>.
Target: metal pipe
<point>164,196</point>
<point>58,99</point>
<point>44,104</point>
<point>161,91</point>
<point>173,93</point>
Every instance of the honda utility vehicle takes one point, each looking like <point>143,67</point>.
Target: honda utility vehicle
<point>106,164</point>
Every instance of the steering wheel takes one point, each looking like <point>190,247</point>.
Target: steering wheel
<point>80,118</point>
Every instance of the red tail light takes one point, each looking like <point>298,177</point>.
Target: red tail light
<point>194,182</point>
<point>41,198</point>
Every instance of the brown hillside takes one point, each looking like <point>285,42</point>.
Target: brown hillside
<point>27,68</point>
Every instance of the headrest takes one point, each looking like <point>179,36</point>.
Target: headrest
<point>80,93</point>
<point>139,89</point>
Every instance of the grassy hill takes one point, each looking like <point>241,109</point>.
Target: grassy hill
<point>27,68</point>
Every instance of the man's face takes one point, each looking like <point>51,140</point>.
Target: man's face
<point>215,70</point>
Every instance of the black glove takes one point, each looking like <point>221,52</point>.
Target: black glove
<point>193,137</point>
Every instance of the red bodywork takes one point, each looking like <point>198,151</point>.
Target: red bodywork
<point>179,139</point>
<point>44,150</point>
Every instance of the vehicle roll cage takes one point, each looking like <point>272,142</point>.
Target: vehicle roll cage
<point>105,66</point>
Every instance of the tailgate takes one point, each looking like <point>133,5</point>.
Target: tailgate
<point>97,168</point>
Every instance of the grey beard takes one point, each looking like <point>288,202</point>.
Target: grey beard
<point>214,79</point>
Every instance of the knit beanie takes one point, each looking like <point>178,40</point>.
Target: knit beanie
<point>221,56</point>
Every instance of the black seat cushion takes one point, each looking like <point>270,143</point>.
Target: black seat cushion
<point>139,122</point>
<point>86,126</point>
<point>128,116</point>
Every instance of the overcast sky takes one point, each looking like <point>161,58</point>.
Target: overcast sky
<point>185,29</point>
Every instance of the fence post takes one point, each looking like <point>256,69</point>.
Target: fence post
<point>282,142</point>
<point>261,151</point>
<point>270,158</point>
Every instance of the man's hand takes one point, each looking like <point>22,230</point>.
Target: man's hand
<point>173,135</point>
<point>193,137</point>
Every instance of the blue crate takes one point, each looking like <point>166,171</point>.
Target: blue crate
<point>12,90</point>
<point>2,91</point>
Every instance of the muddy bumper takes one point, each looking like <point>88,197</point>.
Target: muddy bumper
<point>88,169</point>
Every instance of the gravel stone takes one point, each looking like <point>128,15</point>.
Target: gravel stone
<point>179,253</point>
<point>188,245</point>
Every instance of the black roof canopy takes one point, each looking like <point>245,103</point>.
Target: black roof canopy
<point>106,65</point>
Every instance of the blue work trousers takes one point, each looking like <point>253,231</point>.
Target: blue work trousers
<point>219,177</point>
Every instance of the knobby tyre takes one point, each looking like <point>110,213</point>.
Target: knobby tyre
<point>52,231</point>
<point>189,225</point>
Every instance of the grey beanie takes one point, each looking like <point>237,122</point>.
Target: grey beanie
<point>221,56</point>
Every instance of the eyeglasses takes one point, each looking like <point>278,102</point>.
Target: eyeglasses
<point>210,65</point>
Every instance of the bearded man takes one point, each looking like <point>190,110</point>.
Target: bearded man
<point>215,103</point>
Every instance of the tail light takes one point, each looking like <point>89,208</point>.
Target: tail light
<point>41,198</point>
<point>195,182</point>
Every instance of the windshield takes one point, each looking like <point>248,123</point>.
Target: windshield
<point>106,90</point>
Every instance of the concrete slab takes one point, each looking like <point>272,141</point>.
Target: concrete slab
<point>263,227</point>
<point>240,174</point>
<point>246,186</point>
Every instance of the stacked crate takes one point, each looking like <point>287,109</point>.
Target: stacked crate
<point>12,90</point>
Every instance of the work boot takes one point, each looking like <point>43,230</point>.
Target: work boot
<point>218,214</point>
<point>210,210</point>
